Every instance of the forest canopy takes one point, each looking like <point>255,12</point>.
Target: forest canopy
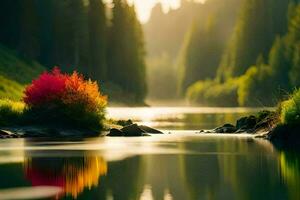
<point>104,43</point>
<point>241,53</point>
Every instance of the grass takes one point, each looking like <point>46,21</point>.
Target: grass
<point>290,110</point>
<point>15,73</point>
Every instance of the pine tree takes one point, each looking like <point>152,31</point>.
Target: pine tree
<point>126,51</point>
<point>294,73</point>
<point>293,47</point>
<point>258,24</point>
<point>71,38</point>
<point>10,11</point>
<point>97,38</point>
<point>29,43</point>
<point>205,42</point>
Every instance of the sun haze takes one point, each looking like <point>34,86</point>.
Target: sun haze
<point>144,7</point>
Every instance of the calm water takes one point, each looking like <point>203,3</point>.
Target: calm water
<point>182,165</point>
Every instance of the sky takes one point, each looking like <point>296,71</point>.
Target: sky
<point>144,7</point>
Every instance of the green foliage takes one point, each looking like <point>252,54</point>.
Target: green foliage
<point>195,92</point>
<point>10,89</point>
<point>212,93</point>
<point>257,26</point>
<point>73,117</point>
<point>280,75</point>
<point>78,35</point>
<point>266,71</point>
<point>250,92</point>
<point>97,38</point>
<point>126,51</point>
<point>290,109</point>
<point>205,42</point>
<point>15,73</point>
<point>10,112</point>
<point>248,83</point>
<point>14,113</point>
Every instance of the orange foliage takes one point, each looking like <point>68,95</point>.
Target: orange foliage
<point>56,87</point>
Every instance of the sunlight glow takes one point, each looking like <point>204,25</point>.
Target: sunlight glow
<point>144,7</point>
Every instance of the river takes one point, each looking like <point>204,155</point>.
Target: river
<point>179,165</point>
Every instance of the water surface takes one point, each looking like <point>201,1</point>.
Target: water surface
<point>182,118</point>
<point>182,165</point>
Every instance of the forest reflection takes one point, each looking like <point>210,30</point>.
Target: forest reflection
<point>204,167</point>
<point>290,170</point>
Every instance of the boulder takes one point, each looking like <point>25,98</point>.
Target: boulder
<point>37,132</point>
<point>226,128</point>
<point>148,129</point>
<point>133,130</point>
<point>4,134</point>
<point>246,123</point>
<point>115,133</point>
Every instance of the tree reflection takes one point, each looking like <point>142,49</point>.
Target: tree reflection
<point>290,171</point>
<point>73,175</point>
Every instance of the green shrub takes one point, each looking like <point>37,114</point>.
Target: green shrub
<point>290,109</point>
<point>10,112</point>
<point>195,93</point>
<point>248,82</point>
<point>212,93</point>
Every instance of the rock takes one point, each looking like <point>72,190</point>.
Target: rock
<point>148,129</point>
<point>5,134</point>
<point>133,130</point>
<point>226,128</point>
<point>246,122</point>
<point>115,133</point>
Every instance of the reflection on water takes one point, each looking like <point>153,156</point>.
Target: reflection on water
<point>72,175</point>
<point>181,166</point>
<point>204,167</point>
<point>290,169</point>
<point>182,118</point>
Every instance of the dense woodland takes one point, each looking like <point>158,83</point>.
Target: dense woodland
<point>105,43</point>
<point>220,53</point>
<point>259,64</point>
<point>234,53</point>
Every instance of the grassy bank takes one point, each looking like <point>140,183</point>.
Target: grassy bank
<point>286,132</point>
<point>15,73</point>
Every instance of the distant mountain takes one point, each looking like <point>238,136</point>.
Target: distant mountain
<point>164,32</point>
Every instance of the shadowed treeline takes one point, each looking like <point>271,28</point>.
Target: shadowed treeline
<point>103,42</point>
<point>225,53</point>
